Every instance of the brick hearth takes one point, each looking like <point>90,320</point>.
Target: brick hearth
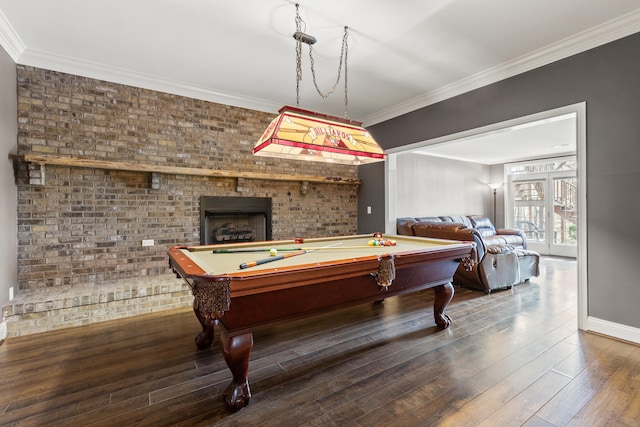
<point>42,310</point>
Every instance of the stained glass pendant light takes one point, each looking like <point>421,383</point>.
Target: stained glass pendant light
<point>305,135</point>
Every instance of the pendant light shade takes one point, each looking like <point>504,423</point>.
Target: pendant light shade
<point>306,135</point>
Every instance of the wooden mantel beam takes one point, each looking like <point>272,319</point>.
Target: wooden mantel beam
<point>41,159</point>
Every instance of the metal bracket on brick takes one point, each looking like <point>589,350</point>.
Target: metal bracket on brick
<point>36,174</point>
<point>156,180</point>
<point>15,160</point>
<point>240,185</point>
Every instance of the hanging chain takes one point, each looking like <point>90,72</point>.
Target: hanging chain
<point>343,58</point>
<point>345,47</point>
<point>298,56</point>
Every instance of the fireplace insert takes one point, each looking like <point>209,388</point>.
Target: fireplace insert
<point>234,219</point>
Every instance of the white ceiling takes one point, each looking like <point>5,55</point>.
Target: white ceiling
<point>402,54</point>
<point>551,137</point>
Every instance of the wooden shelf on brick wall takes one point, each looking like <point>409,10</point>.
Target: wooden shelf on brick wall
<point>41,160</point>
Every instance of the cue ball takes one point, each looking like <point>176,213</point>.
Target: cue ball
<point>273,252</point>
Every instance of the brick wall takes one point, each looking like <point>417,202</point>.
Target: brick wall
<point>86,225</point>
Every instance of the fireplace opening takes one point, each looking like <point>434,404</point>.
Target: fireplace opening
<point>234,219</point>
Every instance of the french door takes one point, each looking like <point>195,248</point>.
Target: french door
<point>543,206</point>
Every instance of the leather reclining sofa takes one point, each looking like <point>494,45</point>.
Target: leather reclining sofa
<point>501,258</point>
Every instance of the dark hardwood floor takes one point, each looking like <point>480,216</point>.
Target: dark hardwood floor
<point>511,358</point>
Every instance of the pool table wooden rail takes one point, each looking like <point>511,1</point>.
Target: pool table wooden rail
<point>267,279</point>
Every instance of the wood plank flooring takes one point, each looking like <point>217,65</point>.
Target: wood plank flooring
<point>512,358</point>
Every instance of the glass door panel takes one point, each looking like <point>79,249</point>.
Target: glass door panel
<point>543,206</point>
<point>530,209</point>
<point>565,226</point>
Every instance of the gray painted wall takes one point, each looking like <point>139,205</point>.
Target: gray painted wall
<point>607,79</point>
<point>8,195</point>
<point>371,193</point>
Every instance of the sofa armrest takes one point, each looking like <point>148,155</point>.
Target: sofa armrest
<point>404,226</point>
<point>508,231</point>
<point>450,231</point>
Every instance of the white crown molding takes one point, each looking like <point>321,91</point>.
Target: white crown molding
<point>9,39</point>
<point>615,29</point>
<point>609,31</point>
<point>49,61</point>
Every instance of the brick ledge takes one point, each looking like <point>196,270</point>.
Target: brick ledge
<point>42,310</point>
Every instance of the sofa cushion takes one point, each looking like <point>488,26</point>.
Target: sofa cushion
<point>448,226</point>
<point>449,231</point>
<point>459,219</point>
<point>483,225</point>
<point>428,219</point>
<point>480,221</point>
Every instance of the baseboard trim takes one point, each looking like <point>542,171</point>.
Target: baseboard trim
<point>615,330</point>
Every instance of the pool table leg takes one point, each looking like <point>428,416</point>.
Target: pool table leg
<point>205,338</point>
<point>444,294</point>
<point>236,351</point>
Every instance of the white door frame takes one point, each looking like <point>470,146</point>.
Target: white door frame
<point>580,109</point>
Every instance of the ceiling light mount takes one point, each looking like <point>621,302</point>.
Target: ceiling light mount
<point>304,38</point>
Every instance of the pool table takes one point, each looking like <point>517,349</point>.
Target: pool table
<point>242,286</point>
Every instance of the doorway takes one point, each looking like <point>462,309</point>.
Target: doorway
<point>392,183</point>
